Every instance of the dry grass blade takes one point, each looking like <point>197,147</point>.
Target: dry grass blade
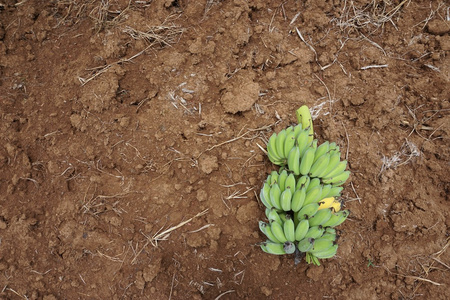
<point>164,35</point>
<point>163,235</point>
<point>104,17</point>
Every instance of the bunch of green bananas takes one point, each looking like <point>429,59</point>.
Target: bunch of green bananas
<point>301,199</point>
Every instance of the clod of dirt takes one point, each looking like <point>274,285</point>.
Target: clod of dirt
<point>438,27</point>
<point>208,163</point>
<point>314,272</point>
<point>151,271</point>
<point>240,95</point>
<point>202,195</point>
<point>245,213</point>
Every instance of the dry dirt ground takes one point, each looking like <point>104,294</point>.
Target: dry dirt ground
<point>130,134</point>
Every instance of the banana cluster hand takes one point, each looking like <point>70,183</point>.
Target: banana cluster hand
<point>301,200</point>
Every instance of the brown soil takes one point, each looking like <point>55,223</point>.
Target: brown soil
<point>121,119</point>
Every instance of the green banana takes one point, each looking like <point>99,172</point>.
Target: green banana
<point>319,165</point>
<point>330,230</point>
<point>289,229</point>
<point>285,200</point>
<point>290,183</point>
<point>321,150</point>
<point>274,216</point>
<point>303,181</point>
<point>321,245</point>
<point>282,215</point>
<point>278,232</point>
<point>294,160</point>
<point>265,228</point>
<point>305,245</point>
<point>297,129</point>
<point>341,179</point>
<point>337,170</point>
<point>307,161</point>
<point>328,253</point>
<point>281,137</point>
<point>325,191</point>
<point>289,247</point>
<point>329,236</point>
<point>273,248</point>
<point>289,143</point>
<point>335,158</point>
<point>272,151</point>
<point>282,179</point>
<point>267,211</point>
<point>275,193</point>
<point>334,192</point>
<point>303,141</point>
<point>301,229</point>
<point>308,211</point>
<point>312,184</point>
<point>304,117</point>
<point>273,178</point>
<point>320,217</point>
<point>314,232</point>
<point>298,199</point>
<point>264,195</point>
<point>337,218</point>
<point>313,195</point>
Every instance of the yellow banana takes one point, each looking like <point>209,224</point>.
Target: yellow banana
<point>326,202</point>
